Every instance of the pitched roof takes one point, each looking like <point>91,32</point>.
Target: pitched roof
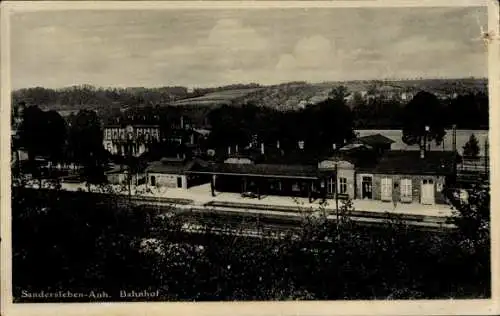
<point>269,170</point>
<point>172,160</point>
<point>117,169</point>
<point>202,131</point>
<point>409,162</point>
<point>124,125</point>
<point>356,146</point>
<point>376,139</point>
<point>174,167</point>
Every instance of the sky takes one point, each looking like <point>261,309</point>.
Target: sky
<point>205,48</point>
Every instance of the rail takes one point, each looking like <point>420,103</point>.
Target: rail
<point>298,209</point>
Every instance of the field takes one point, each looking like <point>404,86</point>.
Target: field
<point>225,97</point>
<point>462,138</point>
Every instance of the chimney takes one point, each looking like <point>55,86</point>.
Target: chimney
<point>301,144</point>
<point>236,148</point>
<point>334,146</point>
<point>278,144</point>
<point>192,139</point>
<point>229,150</point>
<point>182,122</point>
<point>262,148</point>
<point>422,153</point>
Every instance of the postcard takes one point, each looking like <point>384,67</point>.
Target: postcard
<point>227,157</point>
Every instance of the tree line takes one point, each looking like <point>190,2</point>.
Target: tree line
<point>468,109</point>
<point>331,123</point>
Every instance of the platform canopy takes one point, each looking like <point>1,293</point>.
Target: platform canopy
<point>262,170</point>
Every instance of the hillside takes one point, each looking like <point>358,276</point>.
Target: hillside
<point>291,96</point>
<point>296,95</point>
<point>287,96</point>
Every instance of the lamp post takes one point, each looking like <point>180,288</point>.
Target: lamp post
<point>426,129</point>
<point>129,158</point>
<point>337,195</point>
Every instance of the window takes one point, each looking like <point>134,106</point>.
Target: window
<point>386,189</point>
<point>406,190</point>
<point>342,185</point>
<point>439,187</point>
<point>152,180</point>
<point>331,185</point>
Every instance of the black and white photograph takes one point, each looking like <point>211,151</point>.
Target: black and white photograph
<point>248,153</point>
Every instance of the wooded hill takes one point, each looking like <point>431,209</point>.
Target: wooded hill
<point>287,96</point>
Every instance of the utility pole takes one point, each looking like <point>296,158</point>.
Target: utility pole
<point>454,137</point>
<point>337,194</point>
<point>486,159</point>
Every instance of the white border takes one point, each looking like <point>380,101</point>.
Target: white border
<point>437,307</point>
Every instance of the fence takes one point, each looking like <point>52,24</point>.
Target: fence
<point>473,169</point>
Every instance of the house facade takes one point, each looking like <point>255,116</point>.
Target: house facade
<point>342,172</point>
<point>173,173</point>
<point>408,177</point>
<point>133,139</point>
<point>409,188</point>
<point>119,175</point>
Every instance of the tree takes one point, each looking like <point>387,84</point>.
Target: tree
<point>56,132</point>
<point>326,123</point>
<point>32,132</point>
<point>469,111</point>
<point>339,94</point>
<point>471,148</point>
<point>472,218</point>
<point>423,111</point>
<point>85,139</point>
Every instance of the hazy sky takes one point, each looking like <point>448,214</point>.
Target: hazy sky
<point>214,47</point>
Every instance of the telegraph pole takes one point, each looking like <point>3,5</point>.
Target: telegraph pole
<point>337,193</point>
<point>486,159</point>
<point>454,137</point>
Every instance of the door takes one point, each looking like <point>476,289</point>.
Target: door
<point>152,181</point>
<point>427,194</point>
<point>386,189</point>
<point>366,188</point>
<point>179,182</point>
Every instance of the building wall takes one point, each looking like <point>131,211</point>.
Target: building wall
<point>345,170</point>
<point>114,138</point>
<point>416,183</point>
<point>359,179</point>
<point>120,133</point>
<point>167,180</point>
<point>121,178</point>
<point>238,160</point>
<point>116,178</point>
<point>351,185</point>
